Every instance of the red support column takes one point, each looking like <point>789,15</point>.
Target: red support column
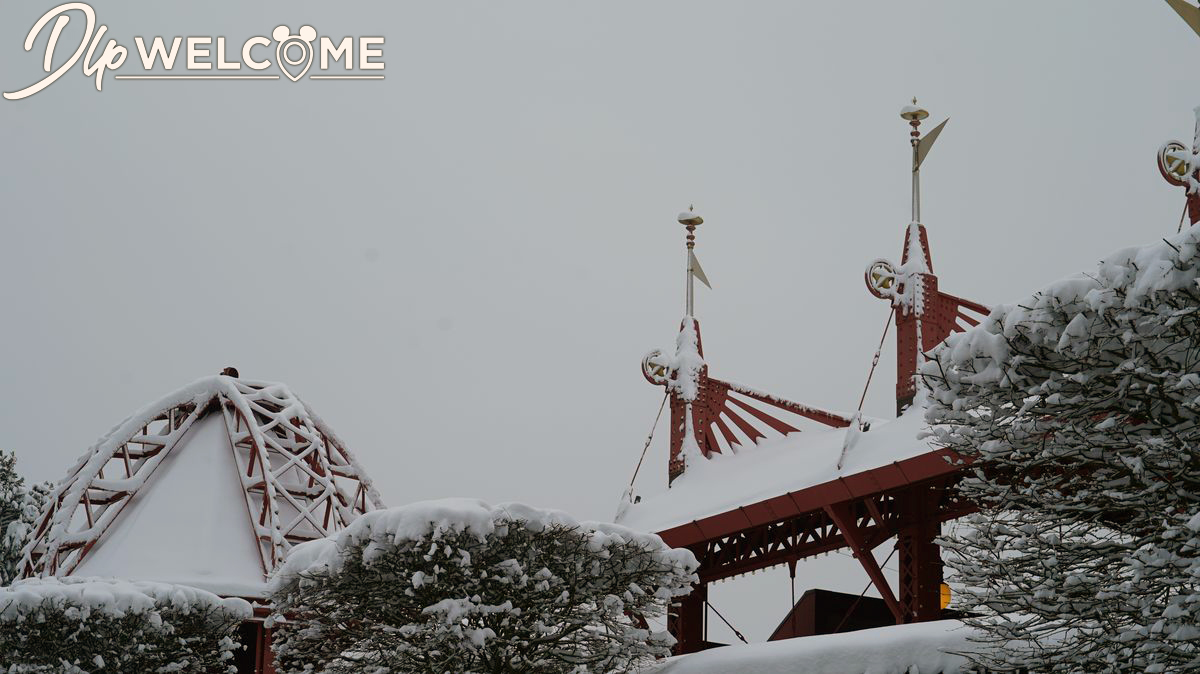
<point>685,621</point>
<point>920,557</point>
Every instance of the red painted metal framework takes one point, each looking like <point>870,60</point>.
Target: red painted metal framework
<point>925,316</point>
<point>907,500</point>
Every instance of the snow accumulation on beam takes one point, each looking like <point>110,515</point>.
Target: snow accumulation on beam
<point>928,648</point>
<point>778,466</point>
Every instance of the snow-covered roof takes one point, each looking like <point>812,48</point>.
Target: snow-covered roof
<point>209,486</point>
<point>928,648</point>
<point>780,466</point>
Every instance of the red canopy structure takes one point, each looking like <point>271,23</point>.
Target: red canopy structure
<point>845,484</point>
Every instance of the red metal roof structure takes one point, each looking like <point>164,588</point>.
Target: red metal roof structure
<point>787,498</point>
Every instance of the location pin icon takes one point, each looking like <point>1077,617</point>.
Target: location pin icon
<point>294,53</point>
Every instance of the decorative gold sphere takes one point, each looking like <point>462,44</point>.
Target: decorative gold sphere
<point>913,113</point>
<point>689,218</point>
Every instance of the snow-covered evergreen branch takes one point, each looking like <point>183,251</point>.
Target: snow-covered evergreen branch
<point>460,586</point>
<point>104,626</point>
<point>1080,408</point>
<point>19,507</point>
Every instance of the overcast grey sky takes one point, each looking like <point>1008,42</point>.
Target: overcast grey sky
<point>460,267</point>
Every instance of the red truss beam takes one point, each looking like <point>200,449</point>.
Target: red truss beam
<point>875,518</point>
<point>885,479</point>
<point>812,533</point>
<point>860,523</point>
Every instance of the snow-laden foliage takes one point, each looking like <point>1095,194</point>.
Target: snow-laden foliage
<point>1080,407</point>
<point>461,586</point>
<point>104,626</point>
<point>19,507</point>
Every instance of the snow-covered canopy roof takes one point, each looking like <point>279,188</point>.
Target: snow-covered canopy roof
<point>209,486</point>
<point>776,473</point>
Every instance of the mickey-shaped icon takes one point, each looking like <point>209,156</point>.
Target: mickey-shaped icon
<point>287,43</point>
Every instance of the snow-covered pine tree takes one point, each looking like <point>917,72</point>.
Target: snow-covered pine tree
<point>19,507</point>
<point>1080,408</point>
<point>460,586</point>
<point>106,626</point>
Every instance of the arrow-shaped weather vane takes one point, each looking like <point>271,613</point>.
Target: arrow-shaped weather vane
<point>921,147</point>
<point>882,277</point>
<point>1187,12</point>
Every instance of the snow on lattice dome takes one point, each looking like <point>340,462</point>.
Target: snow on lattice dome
<point>209,486</point>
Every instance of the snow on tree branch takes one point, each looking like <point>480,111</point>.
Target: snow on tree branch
<point>1080,408</point>
<point>92,625</point>
<point>458,585</point>
<point>19,508</point>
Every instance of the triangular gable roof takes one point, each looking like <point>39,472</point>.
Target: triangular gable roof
<point>289,480</point>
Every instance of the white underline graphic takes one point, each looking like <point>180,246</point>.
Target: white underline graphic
<point>196,77</point>
<point>345,77</point>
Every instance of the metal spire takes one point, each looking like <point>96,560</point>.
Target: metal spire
<point>690,220</point>
<point>914,115</point>
<point>920,149</point>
